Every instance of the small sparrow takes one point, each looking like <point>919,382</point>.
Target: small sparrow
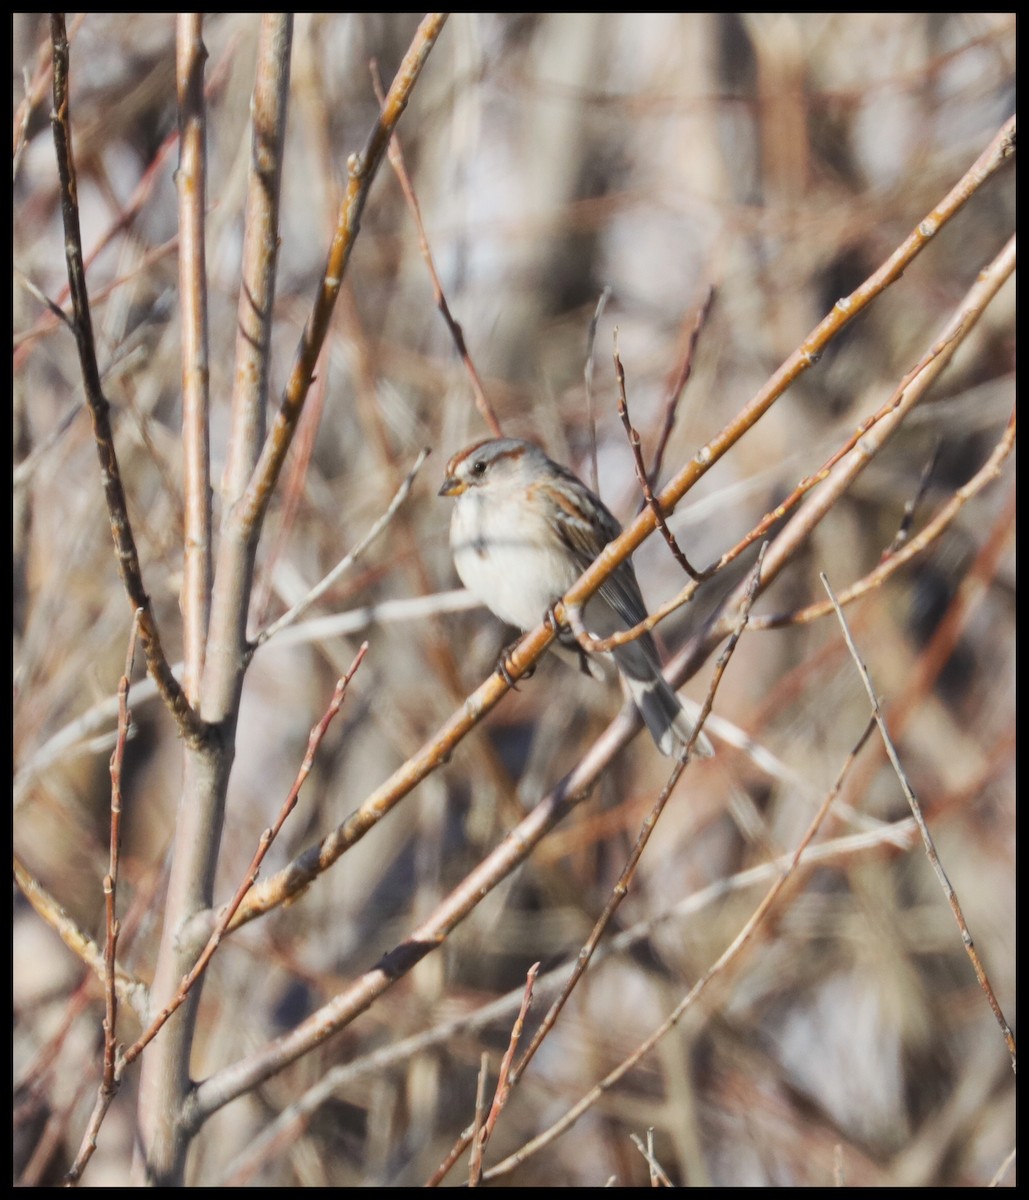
<point>523,530</point>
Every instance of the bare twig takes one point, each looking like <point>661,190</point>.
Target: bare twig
<point>658,1175</point>
<point>479,1133</point>
<point>641,471</point>
<point>923,829</point>
<point>505,1081</point>
<point>475,1163</point>
<point>396,159</point>
<point>675,392</point>
<point>347,561</point>
<point>35,90</point>
<point>108,1087</point>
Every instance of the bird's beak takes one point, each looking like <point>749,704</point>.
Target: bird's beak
<point>452,487</point>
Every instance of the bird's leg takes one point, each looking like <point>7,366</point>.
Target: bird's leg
<point>504,673</point>
<point>565,635</point>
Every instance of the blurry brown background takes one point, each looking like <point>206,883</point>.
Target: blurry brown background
<point>778,158</point>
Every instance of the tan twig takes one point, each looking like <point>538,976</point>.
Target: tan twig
<point>505,1081</point>
<point>111,880</point>
<point>396,159</point>
<point>481,1131</point>
<point>108,1087</point>
<point>641,471</point>
<point>189,723</point>
<point>923,829</point>
<point>678,386</point>
<point>658,1175</point>
<point>475,1163</point>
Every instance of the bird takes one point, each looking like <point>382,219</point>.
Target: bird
<point>523,529</point>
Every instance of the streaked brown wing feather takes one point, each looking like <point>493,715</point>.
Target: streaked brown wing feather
<point>621,589</point>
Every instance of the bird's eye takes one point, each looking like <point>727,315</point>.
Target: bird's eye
<point>479,467</point>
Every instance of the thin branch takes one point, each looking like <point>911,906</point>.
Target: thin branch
<point>108,1087</point>
<point>658,1175</point>
<point>641,471</point>
<point>347,561</point>
<point>475,1163</point>
<point>111,879</point>
<point>923,829</point>
<point>480,1132</point>
<point>505,1080</point>
<point>675,392</point>
<point>396,159</point>
<point>35,91</point>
